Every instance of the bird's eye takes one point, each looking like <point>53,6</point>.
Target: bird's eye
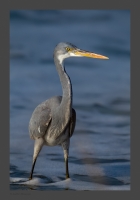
<point>68,49</point>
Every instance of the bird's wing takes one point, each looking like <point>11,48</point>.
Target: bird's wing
<point>72,122</point>
<point>40,121</point>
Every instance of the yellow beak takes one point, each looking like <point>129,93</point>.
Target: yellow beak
<point>89,54</point>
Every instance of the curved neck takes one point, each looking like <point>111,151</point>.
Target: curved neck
<point>66,103</point>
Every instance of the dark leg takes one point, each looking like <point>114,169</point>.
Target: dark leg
<point>65,146</point>
<point>66,162</point>
<point>37,148</point>
<point>33,165</point>
<point>67,169</point>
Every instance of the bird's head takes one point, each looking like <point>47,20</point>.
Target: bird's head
<point>64,50</point>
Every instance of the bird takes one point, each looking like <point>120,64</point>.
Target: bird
<point>53,121</point>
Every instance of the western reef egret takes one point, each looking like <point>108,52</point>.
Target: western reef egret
<point>53,121</point>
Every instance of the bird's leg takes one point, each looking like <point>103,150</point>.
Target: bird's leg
<point>33,165</point>
<point>37,148</point>
<point>66,163</point>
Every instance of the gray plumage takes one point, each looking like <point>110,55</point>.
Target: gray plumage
<point>53,121</point>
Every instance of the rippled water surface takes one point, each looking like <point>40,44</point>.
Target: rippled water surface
<point>100,147</point>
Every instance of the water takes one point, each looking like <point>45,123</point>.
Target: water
<point>100,147</point>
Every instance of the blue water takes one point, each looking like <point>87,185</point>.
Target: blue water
<point>100,146</point>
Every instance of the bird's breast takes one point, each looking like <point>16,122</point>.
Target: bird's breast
<point>52,139</point>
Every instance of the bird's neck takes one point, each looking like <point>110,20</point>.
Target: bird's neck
<point>66,103</point>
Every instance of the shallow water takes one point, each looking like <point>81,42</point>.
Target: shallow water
<point>100,147</point>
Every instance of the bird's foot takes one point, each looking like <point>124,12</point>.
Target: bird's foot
<point>67,176</point>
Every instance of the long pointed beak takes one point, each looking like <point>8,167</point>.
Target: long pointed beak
<point>80,52</point>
